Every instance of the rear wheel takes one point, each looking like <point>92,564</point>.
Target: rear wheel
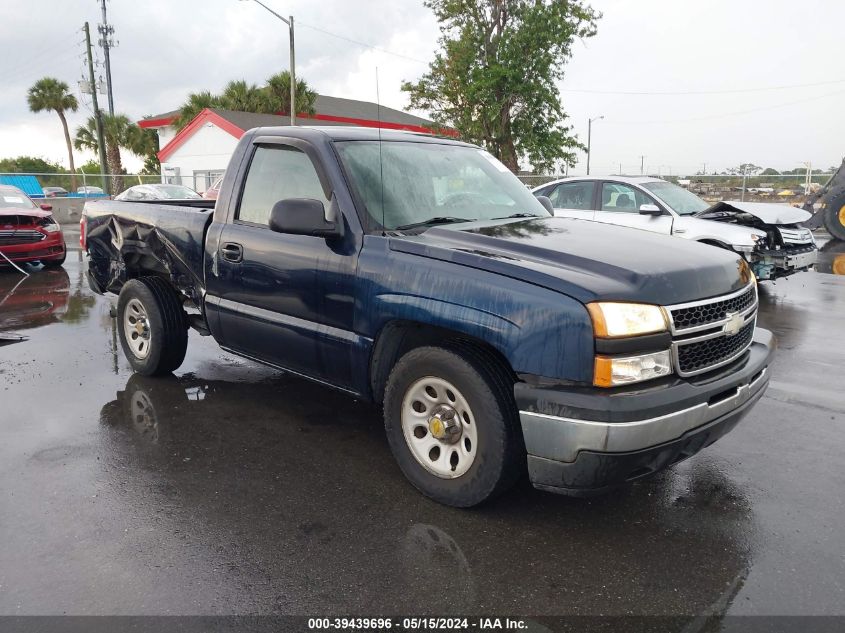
<point>452,424</point>
<point>153,326</point>
<point>834,217</point>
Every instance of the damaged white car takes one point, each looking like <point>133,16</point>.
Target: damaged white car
<point>769,236</point>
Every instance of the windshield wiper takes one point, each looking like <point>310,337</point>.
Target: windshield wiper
<point>440,219</point>
<point>518,215</point>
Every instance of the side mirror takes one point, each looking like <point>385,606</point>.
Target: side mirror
<point>650,209</point>
<point>302,216</point>
<point>547,204</point>
<point>46,207</point>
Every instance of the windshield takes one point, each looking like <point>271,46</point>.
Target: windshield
<point>176,192</point>
<point>431,181</point>
<point>677,198</point>
<point>15,199</point>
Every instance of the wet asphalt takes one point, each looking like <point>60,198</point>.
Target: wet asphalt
<point>231,488</point>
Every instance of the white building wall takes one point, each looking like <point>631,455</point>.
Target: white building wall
<point>207,151</point>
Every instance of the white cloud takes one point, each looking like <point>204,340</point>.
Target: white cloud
<point>171,48</point>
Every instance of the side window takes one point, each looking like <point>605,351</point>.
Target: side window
<point>622,198</point>
<point>277,173</point>
<point>573,195</point>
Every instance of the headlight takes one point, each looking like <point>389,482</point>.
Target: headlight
<point>613,320</point>
<point>610,371</point>
<point>49,224</point>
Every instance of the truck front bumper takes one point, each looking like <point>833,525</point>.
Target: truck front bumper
<point>584,441</point>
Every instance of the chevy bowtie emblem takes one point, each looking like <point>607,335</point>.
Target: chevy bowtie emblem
<point>734,323</point>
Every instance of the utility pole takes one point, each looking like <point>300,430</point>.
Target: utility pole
<point>642,164</point>
<point>289,22</point>
<point>589,134</point>
<point>704,171</point>
<point>98,117</point>
<point>106,41</point>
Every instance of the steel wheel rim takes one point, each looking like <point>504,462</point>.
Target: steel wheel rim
<point>136,328</point>
<point>444,458</point>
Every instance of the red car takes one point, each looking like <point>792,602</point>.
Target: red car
<point>214,190</point>
<point>28,233</point>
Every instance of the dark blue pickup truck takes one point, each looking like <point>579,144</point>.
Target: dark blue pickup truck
<point>418,273</point>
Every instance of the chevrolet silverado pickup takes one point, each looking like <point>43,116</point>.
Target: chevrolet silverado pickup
<point>418,273</point>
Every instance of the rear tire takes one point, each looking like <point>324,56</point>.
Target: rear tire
<point>484,455</point>
<point>834,217</point>
<point>152,325</point>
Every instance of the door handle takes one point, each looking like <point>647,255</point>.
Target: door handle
<point>232,252</point>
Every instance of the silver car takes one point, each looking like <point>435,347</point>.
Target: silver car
<point>768,235</point>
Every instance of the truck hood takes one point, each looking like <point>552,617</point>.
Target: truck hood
<point>585,260</point>
<point>768,212</point>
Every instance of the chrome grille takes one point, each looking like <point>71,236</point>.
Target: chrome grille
<point>795,236</point>
<point>694,358</point>
<point>8,238</point>
<point>703,313</point>
<point>711,333</point>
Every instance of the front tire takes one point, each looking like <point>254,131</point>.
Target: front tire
<point>452,424</point>
<point>152,325</point>
<point>834,217</point>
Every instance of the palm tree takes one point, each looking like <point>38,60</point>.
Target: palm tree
<point>244,97</point>
<point>278,87</point>
<point>51,94</point>
<point>195,104</point>
<point>118,131</point>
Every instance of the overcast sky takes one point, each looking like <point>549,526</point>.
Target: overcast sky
<point>741,53</point>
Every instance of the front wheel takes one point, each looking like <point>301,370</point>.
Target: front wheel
<point>452,424</point>
<point>834,217</point>
<point>152,325</point>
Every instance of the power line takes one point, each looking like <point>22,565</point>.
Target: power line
<point>364,44</point>
<point>703,92</point>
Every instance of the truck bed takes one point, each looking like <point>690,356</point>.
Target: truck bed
<point>165,236</point>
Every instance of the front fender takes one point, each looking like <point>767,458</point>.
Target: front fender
<point>537,330</point>
<point>729,234</point>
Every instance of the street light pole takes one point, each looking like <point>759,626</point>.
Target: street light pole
<point>589,138</point>
<point>289,22</point>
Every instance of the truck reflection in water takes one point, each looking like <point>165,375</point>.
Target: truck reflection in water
<point>293,487</point>
<point>34,301</point>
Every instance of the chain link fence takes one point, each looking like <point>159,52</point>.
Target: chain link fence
<point>74,185</point>
<point>789,188</point>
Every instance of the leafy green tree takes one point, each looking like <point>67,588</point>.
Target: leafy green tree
<point>51,94</point>
<point>35,165</point>
<point>118,132</point>
<point>749,169</point>
<point>770,172</point>
<point>278,89</point>
<point>495,76</point>
<point>196,103</point>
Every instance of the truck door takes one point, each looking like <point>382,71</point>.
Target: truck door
<point>282,298</point>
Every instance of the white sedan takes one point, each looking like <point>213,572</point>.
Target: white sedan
<point>768,235</point>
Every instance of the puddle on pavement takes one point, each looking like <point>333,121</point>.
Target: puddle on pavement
<point>832,258</point>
